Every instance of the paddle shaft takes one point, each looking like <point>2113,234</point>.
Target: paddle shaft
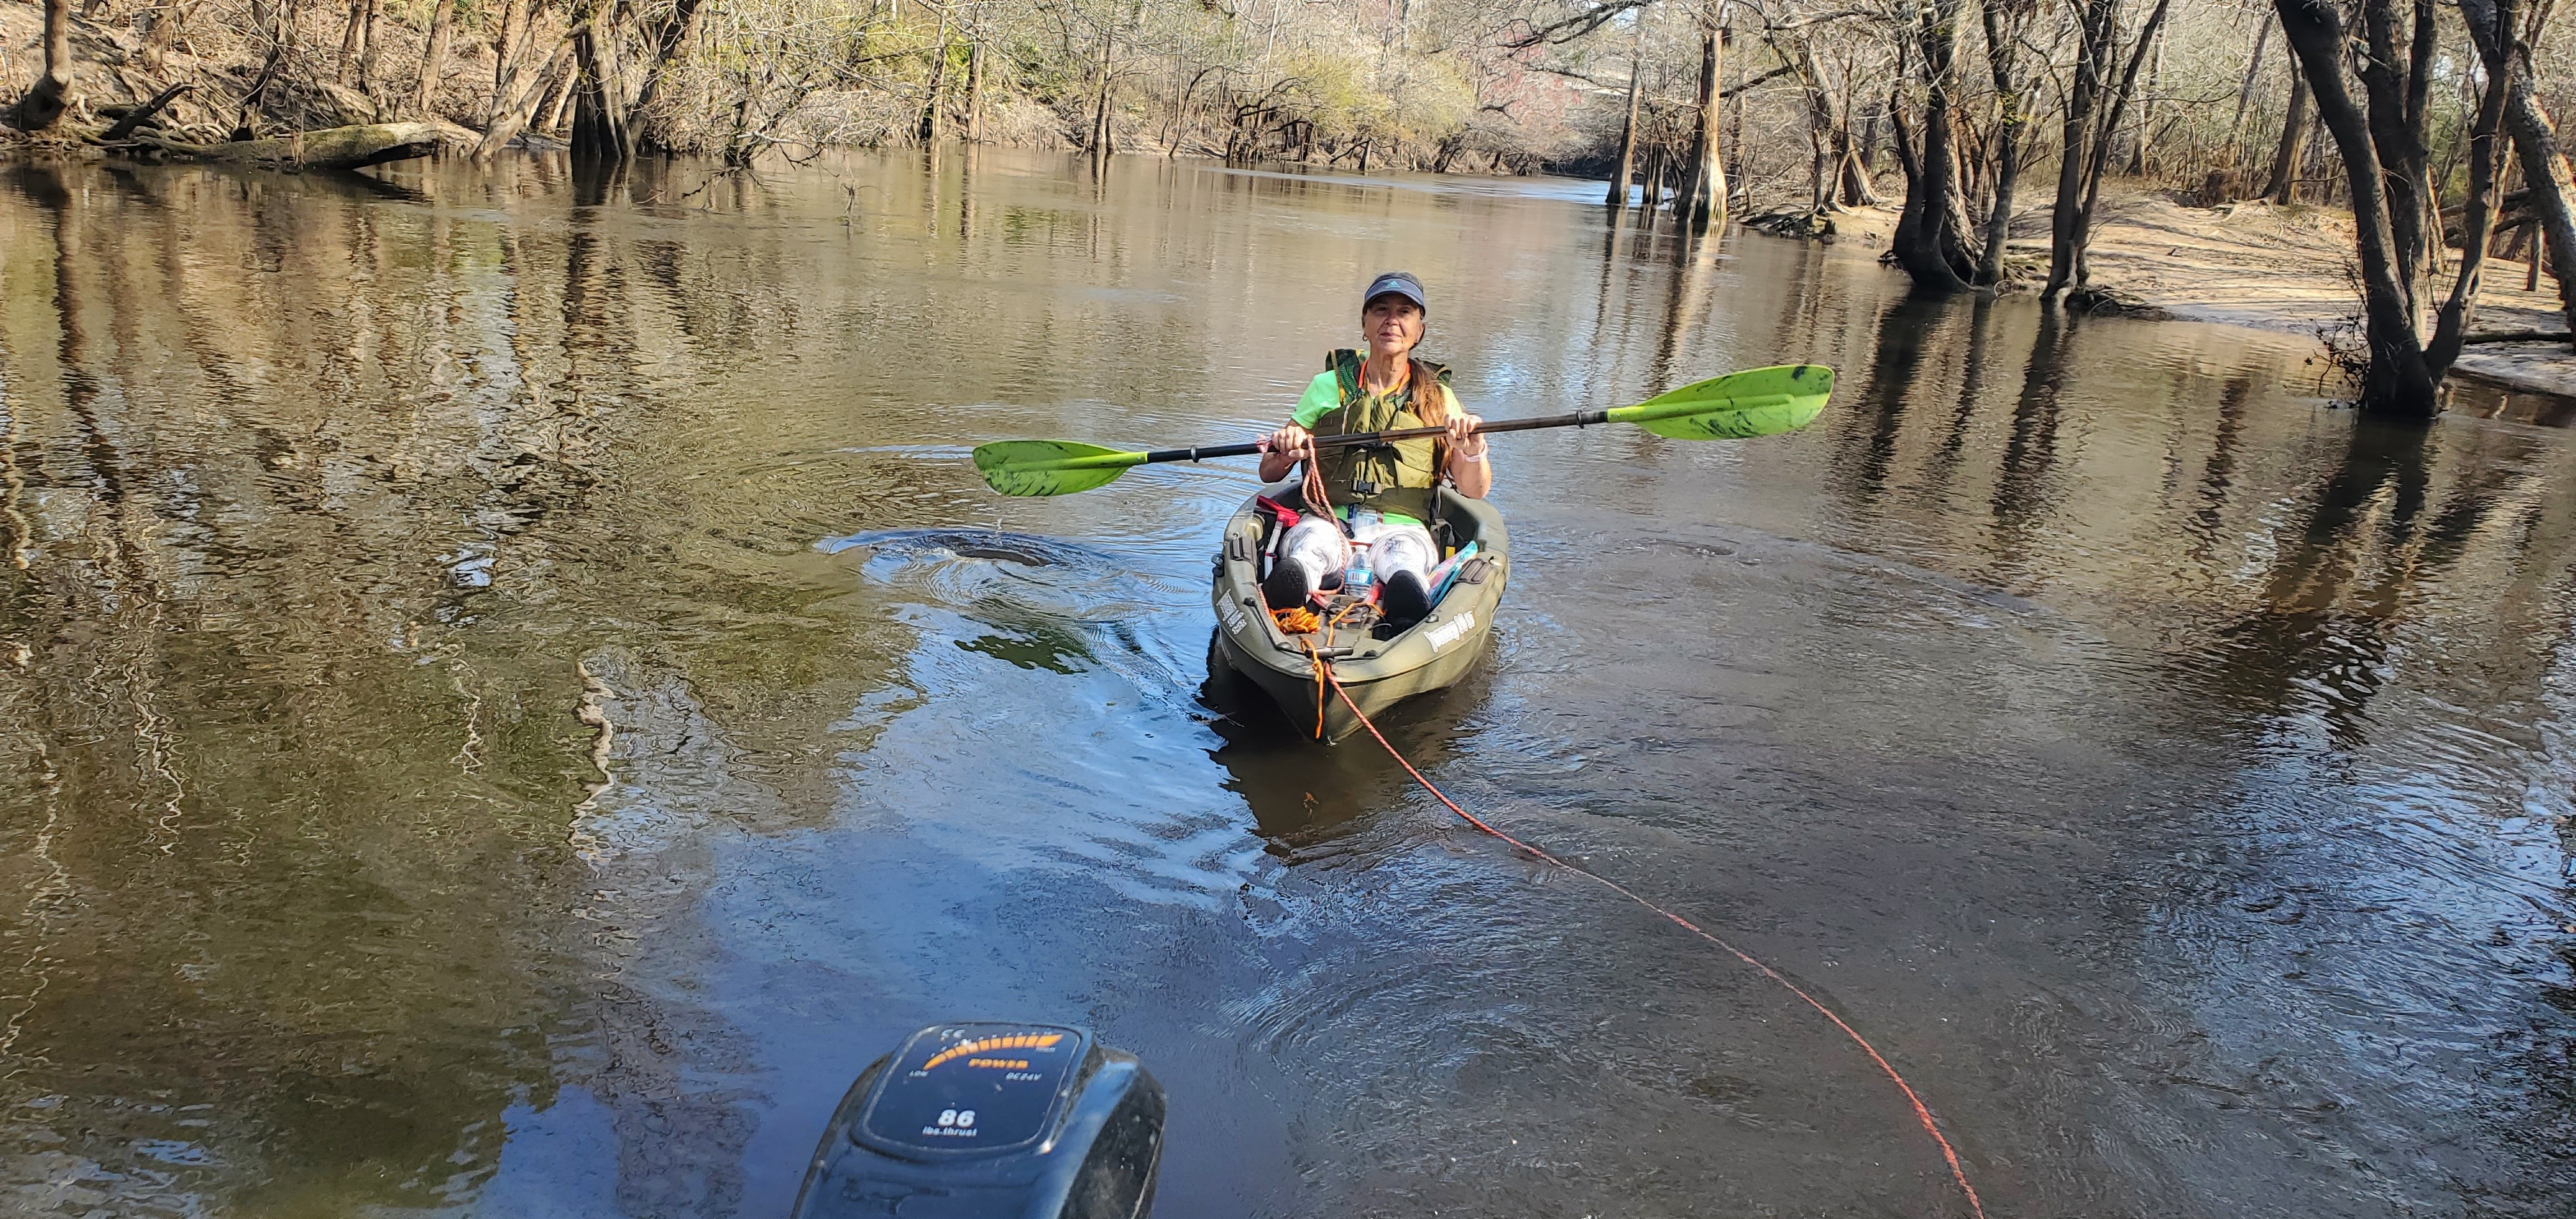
<point>1576,419</point>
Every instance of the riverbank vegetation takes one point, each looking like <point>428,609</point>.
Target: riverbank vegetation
<point>2431,121</point>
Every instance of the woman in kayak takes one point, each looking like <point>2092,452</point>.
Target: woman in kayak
<point>1382,498</point>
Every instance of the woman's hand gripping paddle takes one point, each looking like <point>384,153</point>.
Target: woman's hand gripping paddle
<point>1737,406</point>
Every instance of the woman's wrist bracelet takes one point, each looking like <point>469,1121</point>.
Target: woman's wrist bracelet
<point>1473,458</point>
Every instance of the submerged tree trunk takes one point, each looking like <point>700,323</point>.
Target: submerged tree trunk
<point>1616,198</point>
<point>2294,140</point>
<point>1703,196</point>
<point>1098,145</point>
<point>599,127</point>
<point>329,148</point>
<point>433,59</point>
<point>2404,376</point>
<point>1929,241</point>
<point>44,102</point>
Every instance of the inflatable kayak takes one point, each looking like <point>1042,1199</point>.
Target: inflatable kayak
<point>1379,665</point>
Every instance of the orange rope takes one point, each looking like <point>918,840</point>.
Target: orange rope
<point>1323,669</point>
<point>1922,1112</point>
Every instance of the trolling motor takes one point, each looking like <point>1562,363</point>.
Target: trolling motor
<point>992,1121</point>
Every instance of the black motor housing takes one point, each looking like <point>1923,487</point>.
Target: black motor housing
<point>992,1121</point>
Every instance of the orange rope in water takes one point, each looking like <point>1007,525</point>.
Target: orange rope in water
<point>1922,1112</point>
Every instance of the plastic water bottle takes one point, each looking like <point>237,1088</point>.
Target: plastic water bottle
<point>1356,578</point>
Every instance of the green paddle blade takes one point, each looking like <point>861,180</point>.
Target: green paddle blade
<point>1737,406</point>
<point>1050,467</point>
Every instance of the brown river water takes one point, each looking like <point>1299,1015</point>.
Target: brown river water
<point>2171,774</point>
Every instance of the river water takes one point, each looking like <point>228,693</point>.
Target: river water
<point>511,695</point>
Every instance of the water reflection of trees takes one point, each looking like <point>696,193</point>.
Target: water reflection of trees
<point>2300,539</point>
<point>2386,526</point>
<point>286,679</point>
<point>2347,642</point>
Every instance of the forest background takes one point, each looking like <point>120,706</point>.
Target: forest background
<point>2428,119</point>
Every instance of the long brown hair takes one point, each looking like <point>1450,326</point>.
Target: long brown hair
<point>1431,406</point>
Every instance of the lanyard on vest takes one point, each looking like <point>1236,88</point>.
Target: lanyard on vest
<point>1360,382</point>
<point>1368,403</point>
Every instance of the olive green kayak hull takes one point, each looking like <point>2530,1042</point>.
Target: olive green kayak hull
<point>1435,654</point>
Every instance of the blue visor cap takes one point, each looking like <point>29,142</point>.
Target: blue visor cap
<point>1396,283</point>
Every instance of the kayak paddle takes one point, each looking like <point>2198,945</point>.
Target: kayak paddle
<point>1737,406</point>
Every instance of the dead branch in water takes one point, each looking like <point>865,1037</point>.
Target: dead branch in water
<point>329,148</point>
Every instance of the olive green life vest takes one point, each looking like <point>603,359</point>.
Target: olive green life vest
<point>1402,477</point>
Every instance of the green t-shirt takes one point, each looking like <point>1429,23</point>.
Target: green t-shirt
<point>1325,392</point>
<point>1321,396</point>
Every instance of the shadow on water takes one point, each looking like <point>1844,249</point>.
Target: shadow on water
<point>1303,795</point>
<point>1906,334</point>
<point>2022,483</point>
<point>2333,598</point>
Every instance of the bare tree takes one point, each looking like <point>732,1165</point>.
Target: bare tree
<point>2382,150</point>
<point>2294,140</point>
<point>975,81</point>
<point>2089,128</point>
<point>2245,91</point>
<point>44,102</point>
<point>668,41</point>
<point>2004,21</point>
<point>929,128</point>
<point>601,110</point>
<point>2506,51</point>
<point>1931,233</point>
<point>1703,197</point>
<point>433,58</point>
<point>1617,197</point>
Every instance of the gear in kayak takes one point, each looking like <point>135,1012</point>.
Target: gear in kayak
<point>1384,651</point>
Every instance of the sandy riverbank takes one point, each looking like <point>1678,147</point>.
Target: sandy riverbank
<point>2275,268</point>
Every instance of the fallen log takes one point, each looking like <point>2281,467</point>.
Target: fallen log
<point>329,148</point>
<point>2519,336</point>
<point>132,120</point>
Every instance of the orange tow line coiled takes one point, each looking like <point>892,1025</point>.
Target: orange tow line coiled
<point>1922,1113</point>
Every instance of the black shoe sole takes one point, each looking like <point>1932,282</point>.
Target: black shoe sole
<point>1286,587</point>
<point>1405,600</point>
